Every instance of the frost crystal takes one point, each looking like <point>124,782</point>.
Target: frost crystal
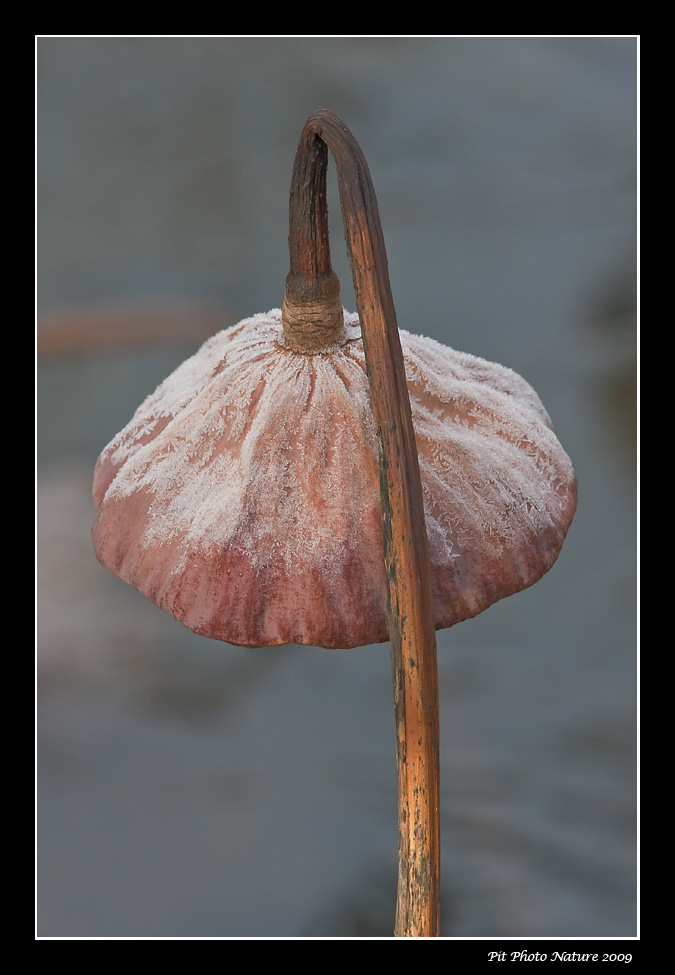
<point>243,496</point>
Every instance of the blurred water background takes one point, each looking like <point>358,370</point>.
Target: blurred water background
<point>190,789</point>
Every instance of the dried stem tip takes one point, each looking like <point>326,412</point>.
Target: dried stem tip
<point>312,313</point>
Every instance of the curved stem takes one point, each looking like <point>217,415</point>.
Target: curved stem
<point>410,599</point>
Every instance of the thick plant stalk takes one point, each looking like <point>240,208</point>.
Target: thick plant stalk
<point>312,318</point>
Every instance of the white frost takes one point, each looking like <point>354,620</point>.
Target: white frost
<point>251,446</point>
